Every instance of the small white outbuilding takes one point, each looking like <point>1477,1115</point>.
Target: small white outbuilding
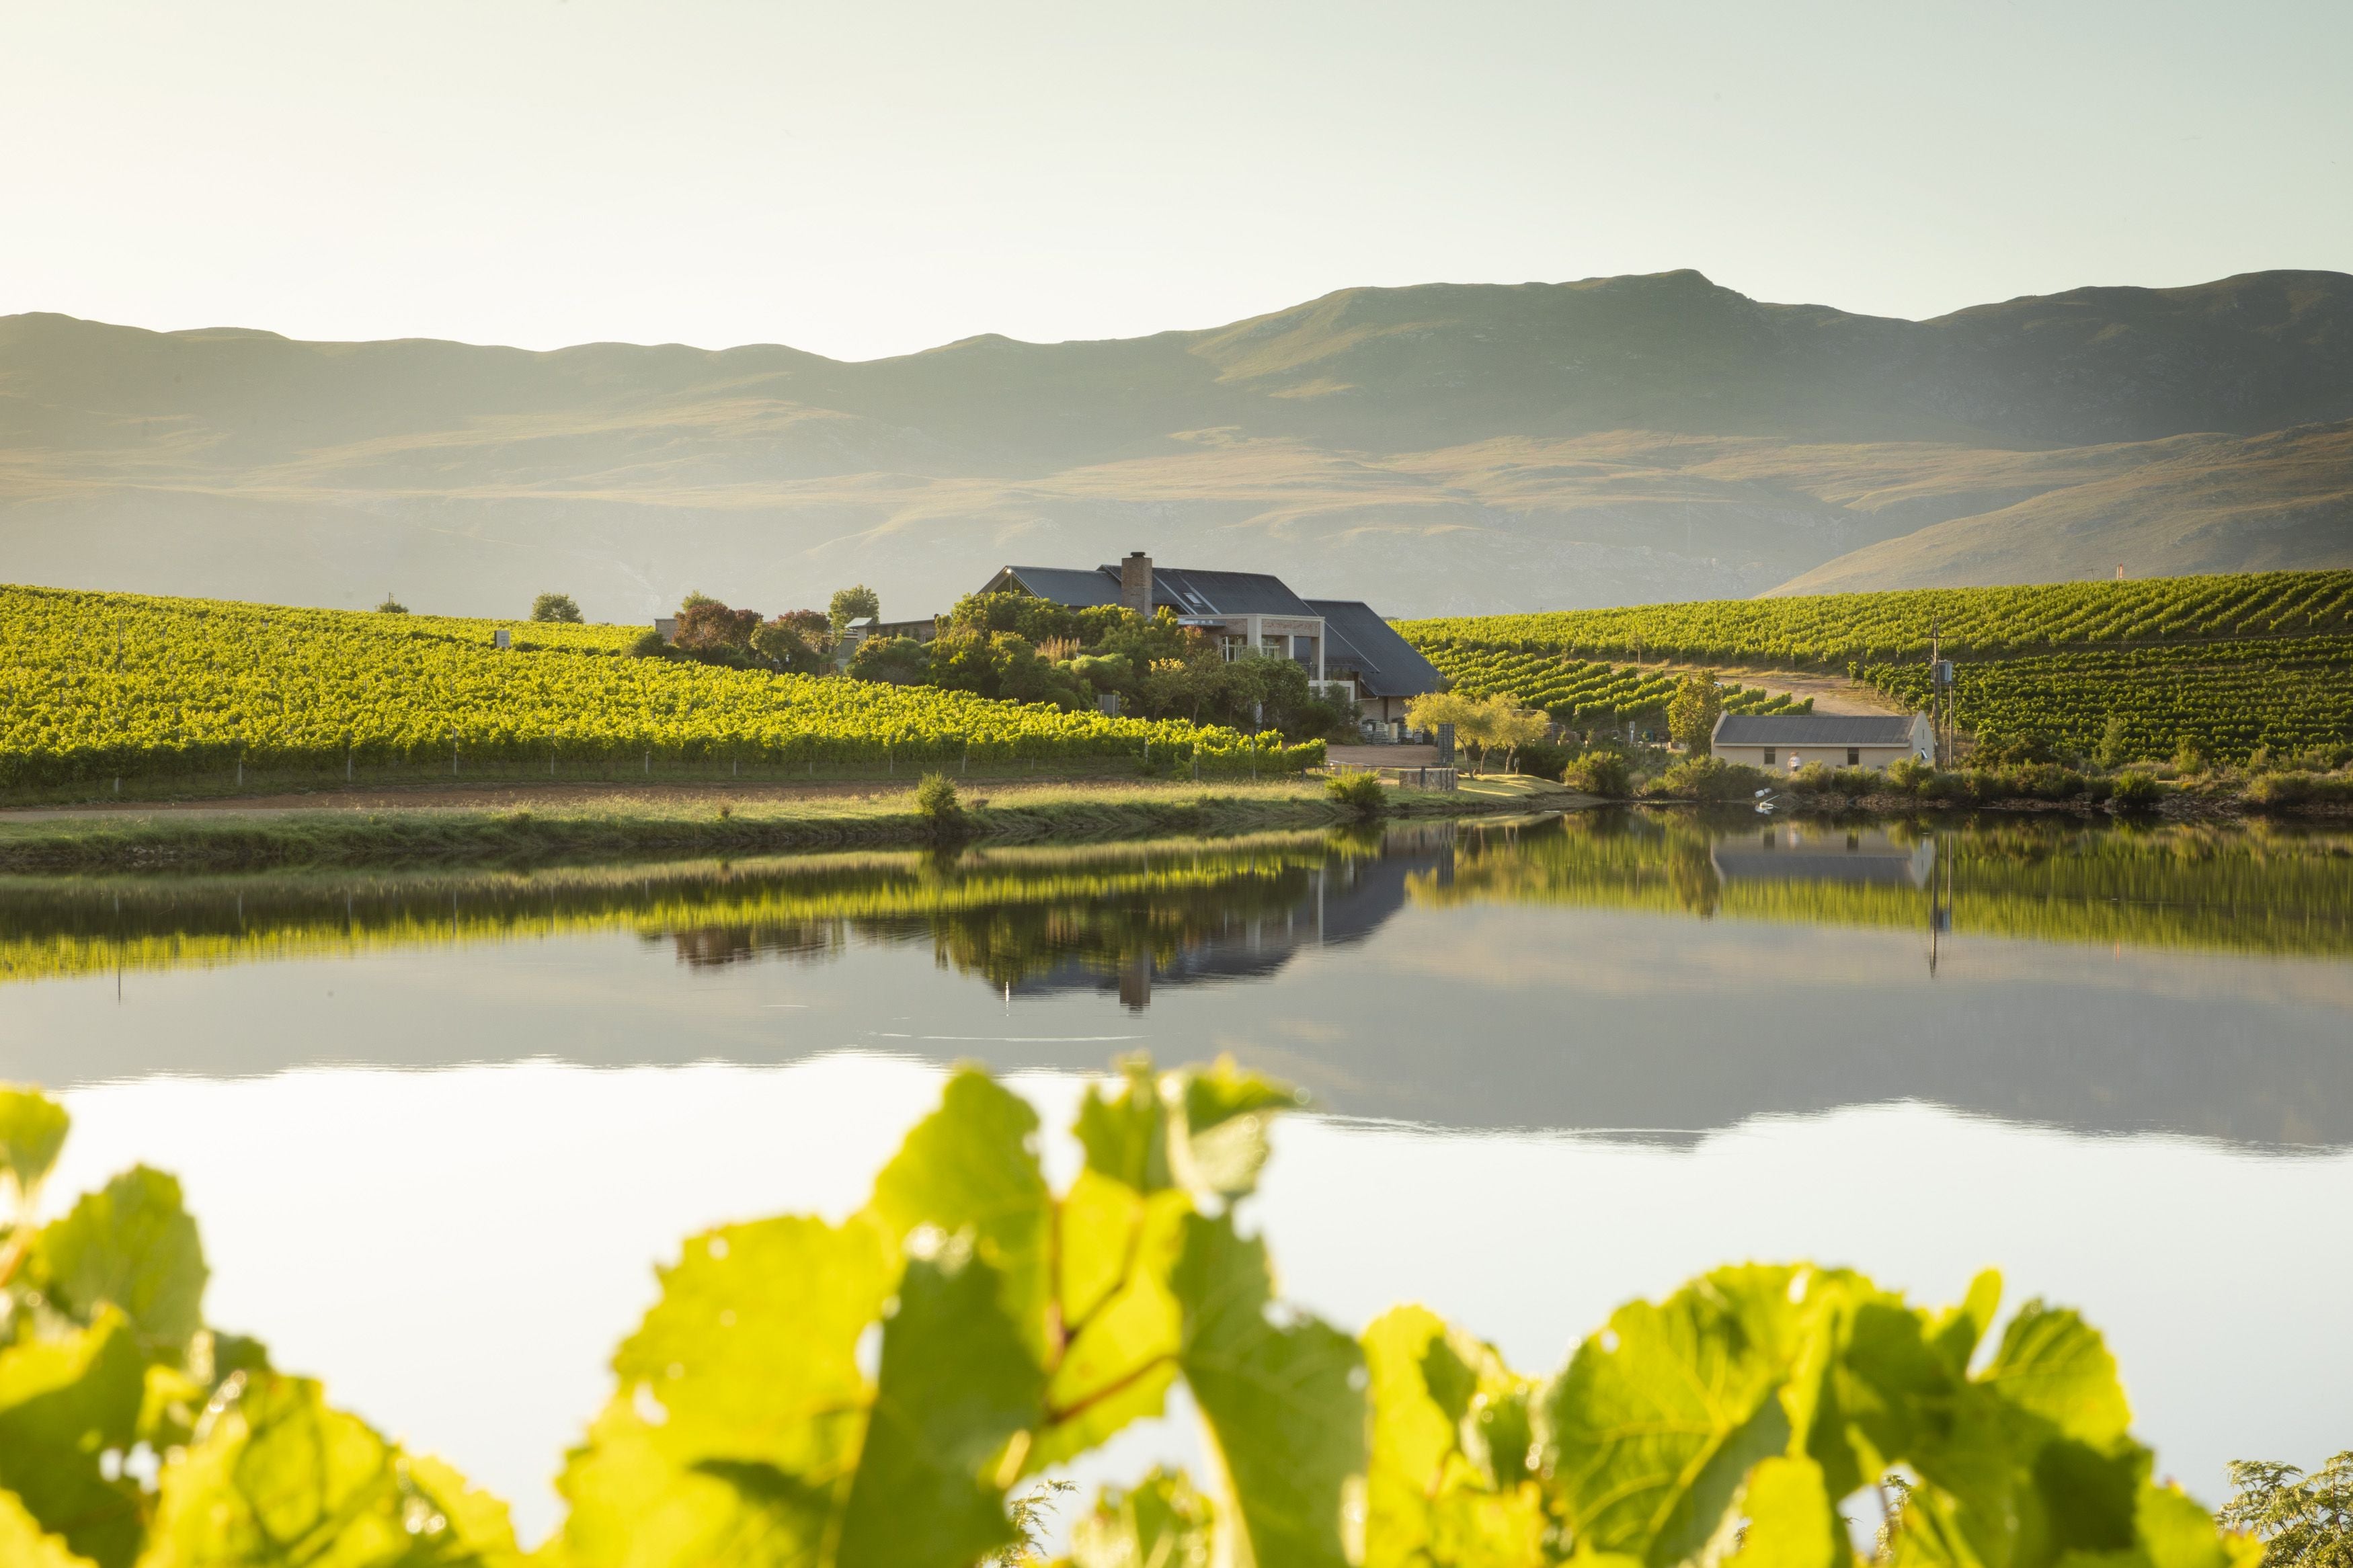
<point>1784,743</point>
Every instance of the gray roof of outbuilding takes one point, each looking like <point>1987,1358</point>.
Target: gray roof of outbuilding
<point>1360,639</point>
<point>1814,730</point>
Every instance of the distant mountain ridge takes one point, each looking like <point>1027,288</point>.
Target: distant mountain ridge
<point>1443,448</point>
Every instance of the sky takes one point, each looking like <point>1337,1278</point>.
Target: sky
<point>871,178</point>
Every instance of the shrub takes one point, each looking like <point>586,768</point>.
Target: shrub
<point>2135,791</point>
<point>1815,778</point>
<point>1604,773</point>
<point>1708,778</point>
<point>1910,776</point>
<point>649,644</point>
<point>391,606</point>
<point>937,802</point>
<point>1542,758</point>
<point>1361,793</point>
<point>555,607</point>
<point>2273,791</point>
<point>2003,751</point>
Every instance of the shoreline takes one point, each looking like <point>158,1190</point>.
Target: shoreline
<point>670,824</point>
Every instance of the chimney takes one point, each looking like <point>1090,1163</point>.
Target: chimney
<point>1135,582</point>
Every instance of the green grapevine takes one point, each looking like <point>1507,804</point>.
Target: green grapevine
<point>98,684</point>
<point>888,1390</point>
<point>2232,663</point>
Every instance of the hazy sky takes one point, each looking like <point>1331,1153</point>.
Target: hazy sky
<point>866,178</point>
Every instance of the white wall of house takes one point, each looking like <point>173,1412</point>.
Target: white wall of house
<point>1790,759</point>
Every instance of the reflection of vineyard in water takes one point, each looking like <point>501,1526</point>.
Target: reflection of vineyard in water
<point>2246,889</point>
<point>1130,917</point>
<point>1021,919</point>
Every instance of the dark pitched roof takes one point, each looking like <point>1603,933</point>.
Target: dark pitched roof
<point>1360,640</point>
<point>1067,585</point>
<point>1182,589</point>
<point>1189,591</point>
<point>1814,730</point>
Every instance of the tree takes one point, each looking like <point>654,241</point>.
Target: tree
<point>555,607</point>
<point>705,625</point>
<point>2303,1522</point>
<point>1693,710</point>
<point>391,606</point>
<point>1483,723</point>
<point>897,662</point>
<point>850,602</point>
<point>789,644</point>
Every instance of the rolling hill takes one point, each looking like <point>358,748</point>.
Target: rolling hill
<point>1442,448</point>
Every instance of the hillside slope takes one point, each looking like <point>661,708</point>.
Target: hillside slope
<point>1434,449</point>
<point>2206,504</point>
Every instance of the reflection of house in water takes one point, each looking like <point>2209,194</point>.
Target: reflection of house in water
<point>1789,852</point>
<point>1347,899</point>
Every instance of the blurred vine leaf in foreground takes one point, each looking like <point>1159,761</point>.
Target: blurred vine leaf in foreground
<point>901,1389</point>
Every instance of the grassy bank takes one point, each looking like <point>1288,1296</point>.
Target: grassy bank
<point>669,826</point>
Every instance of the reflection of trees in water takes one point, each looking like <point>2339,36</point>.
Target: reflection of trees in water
<point>1017,915</point>
<point>2232,887</point>
<point>1002,913</point>
<point>998,924</point>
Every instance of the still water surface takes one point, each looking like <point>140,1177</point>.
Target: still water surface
<point>438,1128</point>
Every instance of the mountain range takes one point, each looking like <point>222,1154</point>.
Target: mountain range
<point>1432,450</point>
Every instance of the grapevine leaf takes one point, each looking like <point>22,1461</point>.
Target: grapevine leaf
<point>2054,1364</point>
<point>477,1519</point>
<point>32,1131</point>
<point>1792,1521</point>
<point>25,1544</point>
<point>1124,1324</point>
<point>1657,1420</point>
<point>973,1165</point>
<point>279,1480</point>
<point>1960,1330</point>
<point>2175,1532</point>
<point>130,1244</point>
<point>752,1352</point>
<point>1125,1135</point>
<point>957,1385</point>
<point>1282,1402</point>
<point>1221,1141</point>
<point>64,1402</point>
<point>632,1506</point>
<point>1160,1523</point>
<point>1447,1481</point>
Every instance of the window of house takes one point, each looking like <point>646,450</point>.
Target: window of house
<point>1853,756</point>
<point>1772,756</point>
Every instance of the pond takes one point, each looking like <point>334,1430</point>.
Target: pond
<point>440,1127</point>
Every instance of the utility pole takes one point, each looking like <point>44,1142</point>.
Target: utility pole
<point>1938,702</point>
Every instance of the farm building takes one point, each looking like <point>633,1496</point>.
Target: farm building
<point>1343,642</point>
<point>1788,742</point>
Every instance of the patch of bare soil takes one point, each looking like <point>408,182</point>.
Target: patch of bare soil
<point>1831,693</point>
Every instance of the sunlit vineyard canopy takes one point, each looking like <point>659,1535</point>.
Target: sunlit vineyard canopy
<point>93,684</point>
<point>2123,671</point>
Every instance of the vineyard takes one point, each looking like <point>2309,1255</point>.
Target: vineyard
<point>2229,664</point>
<point>1579,692</point>
<point>95,686</point>
<point>2227,699</point>
<point>1831,630</point>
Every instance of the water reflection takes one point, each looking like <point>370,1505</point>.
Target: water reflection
<point>1640,975</point>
